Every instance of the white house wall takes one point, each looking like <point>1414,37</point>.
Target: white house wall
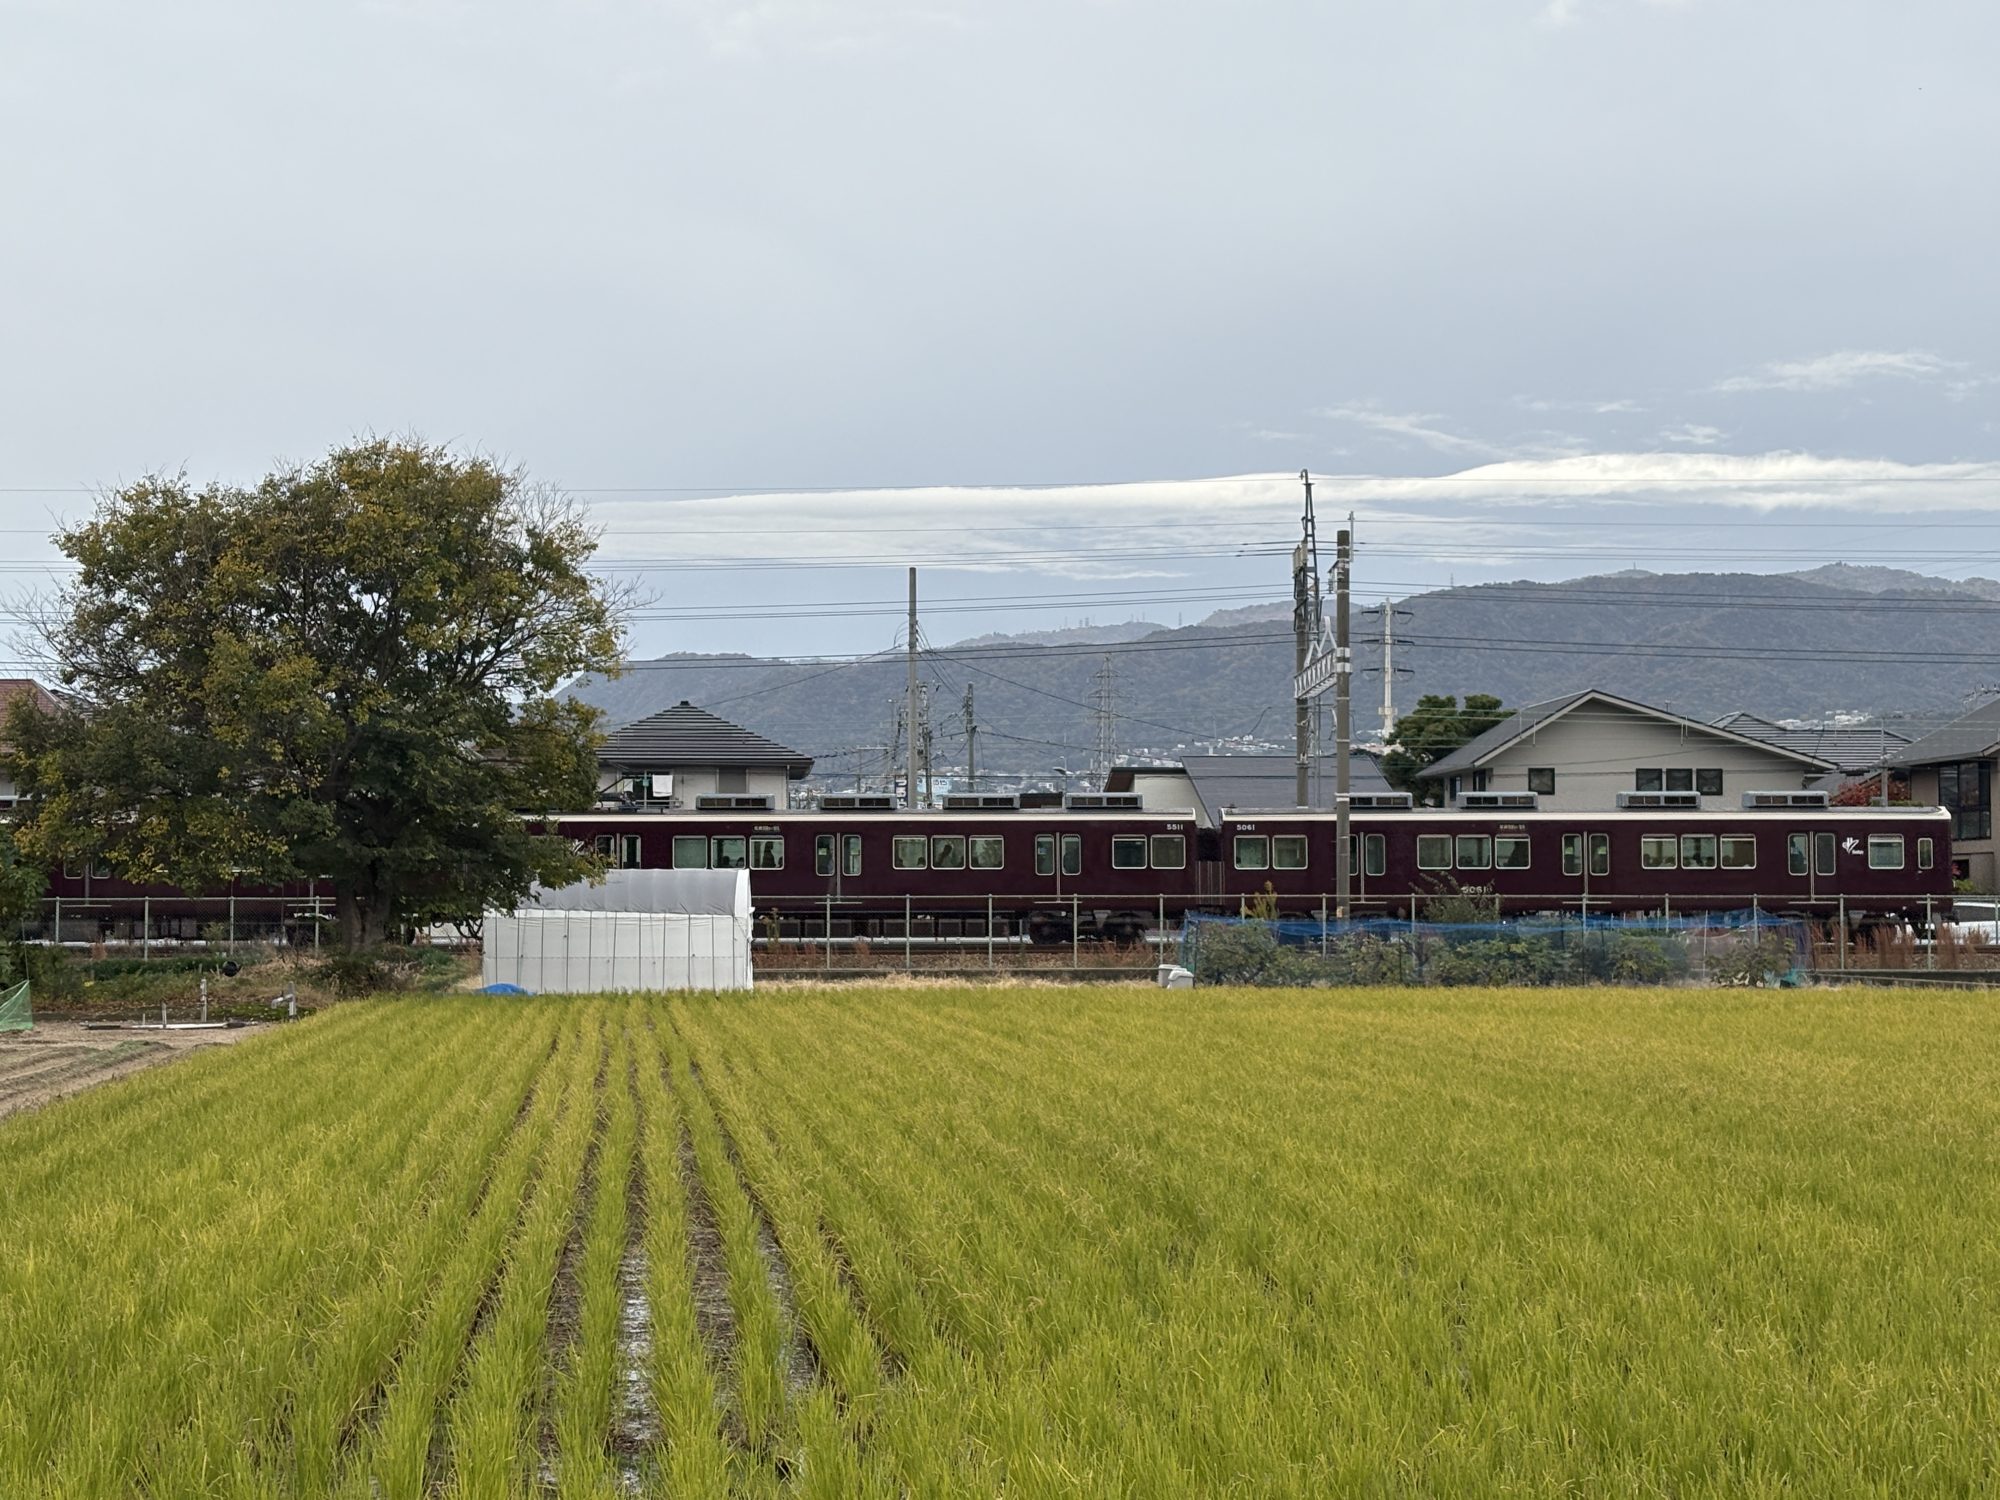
<point>1595,751</point>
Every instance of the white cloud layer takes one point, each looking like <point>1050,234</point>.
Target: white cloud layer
<point>1838,371</point>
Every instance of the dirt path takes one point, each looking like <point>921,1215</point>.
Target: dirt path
<point>62,1057</point>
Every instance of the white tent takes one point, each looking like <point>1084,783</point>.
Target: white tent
<point>639,930</point>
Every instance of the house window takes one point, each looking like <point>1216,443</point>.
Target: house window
<point>729,853</point>
<point>1698,851</point>
<point>1926,853</point>
<point>1739,852</point>
<point>823,854</point>
<point>1510,854</point>
<point>1288,852</point>
<point>1657,854</point>
<point>691,853</point>
<point>732,779</point>
<point>767,851</point>
<point>911,853</point>
<point>1169,851</point>
<point>1680,778</point>
<point>986,852</point>
<point>1475,851</point>
<point>1600,854</point>
<point>628,854</point>
<point>1647,779</point>
<point>1795,853</point>
<point>1374,854</point>
<point>1572,854</point>
<point>1253,852</point>
<point>1885,851</point>
<point>948,851</point>
<point>1542,780</point>
<point>1966,788</point>
<point>1128,852</point>
<point>1709,781</point>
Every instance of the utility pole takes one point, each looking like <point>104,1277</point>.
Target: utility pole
<point>1105,699</point>
<point>924,729</point>
<point>1305,633</point>
<point>895,745</point>
<point>1388,672</point>
<point>910,787</point>
<point>971,745</point>
<point>1343,726</point>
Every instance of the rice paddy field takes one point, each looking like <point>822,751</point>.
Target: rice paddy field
<point>1038,1242</point>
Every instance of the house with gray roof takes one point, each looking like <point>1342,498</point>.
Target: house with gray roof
<point>1579,751</point>
<point>1853,749</point>
<point>1955,768</point>
<point>1206,785</point>
<point>688,757</point>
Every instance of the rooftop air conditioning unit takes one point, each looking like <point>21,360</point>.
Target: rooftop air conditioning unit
<point>1488,801</point>
<point>857,802</point>
<point>1104,802</point>
<point>981,801</point>
<point>1784,799</point>
<point>1680,801</point>
<point>1381,802</point>
<point>732,803</point>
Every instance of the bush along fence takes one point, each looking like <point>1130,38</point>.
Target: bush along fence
<point>1739,948</point>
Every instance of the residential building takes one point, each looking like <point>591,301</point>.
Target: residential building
<point>1957,767</point>
<point>12,691</point>
<point>1207,784</point>
<point>1853,749</point>
<point>1578,752</point>
<point>688,757</point>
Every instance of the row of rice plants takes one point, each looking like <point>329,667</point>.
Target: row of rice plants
<point>140,1275</point>
<point>1295,1245</point>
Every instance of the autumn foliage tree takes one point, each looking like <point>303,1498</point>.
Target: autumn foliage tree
<point>345,673</point>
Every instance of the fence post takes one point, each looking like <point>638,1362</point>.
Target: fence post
<point>1842,917</point>
<point>908,925</point>
<point>58,921</point>
<point>1075,931</point>
<point>232,919</point>
<point>1930,924</point>
<point>991,962</point>
<point>1160,942</point>
<point>829,932</point>
<point>146,928</point>
<point>1416,946</point>
<point>1322,925</point>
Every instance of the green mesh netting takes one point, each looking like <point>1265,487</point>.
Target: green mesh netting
<point>15,1014</point>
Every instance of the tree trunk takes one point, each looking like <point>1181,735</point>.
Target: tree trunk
<point>361,915</point>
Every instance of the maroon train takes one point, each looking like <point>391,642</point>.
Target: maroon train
<point>1114,871</point>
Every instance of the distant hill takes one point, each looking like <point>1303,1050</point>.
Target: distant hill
<point>1781,646</point>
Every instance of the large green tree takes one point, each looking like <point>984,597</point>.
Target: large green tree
<point>1433,729</point>
<point>345,673</point>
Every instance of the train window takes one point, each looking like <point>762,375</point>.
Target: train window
<point>1795,853</point>
<point>1657,854</point>
<point>910,853</point>
<point>1739,852</point>
<point>1433,851</point>
<point>986,852</point>
<point>1374,855</point>
<point>850,853</point>
<point>601,844</point>
<point>1824,850</point>
<point>728,852</point>
<point>1169,851</point>
<point>1253,852</point>
<point>1572,854</point>
<point>1885,851</point>
<point>1542,780</point>
<point>1709,781</point>
<point>1288,852</point>
<point>1510,854</point>
<point>1698,851</point>
<point>1475,851</point>
<point>767,851</point>
<point>823,854</point>
<point>1600,854</point>
<point>1926,854</point>
<point>1072,854</point>
<point>1128,852</point>
<point>628,854</point>
<point>1647,779</point>
<point>1045,854</point>
<point>948,851</point>
<point>691,853</point>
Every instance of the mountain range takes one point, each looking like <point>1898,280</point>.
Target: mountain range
<point>1834,640</point>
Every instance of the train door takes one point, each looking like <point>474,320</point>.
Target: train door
<point>1815,856</point>
<point>1058,872</point>
<point>1586,858</point>
<point>837,860</point>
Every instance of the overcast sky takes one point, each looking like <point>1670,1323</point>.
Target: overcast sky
<point>1668,262</point>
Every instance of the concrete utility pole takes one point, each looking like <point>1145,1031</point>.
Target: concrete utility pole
<point>1343,718</point>
<point>1105,700</point>
<point>910,711</point>
<point>971,745</point>
<point>1305,632</point>
<point>1388,672</point>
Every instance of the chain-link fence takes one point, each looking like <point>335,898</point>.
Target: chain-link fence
<point>1746,948</point>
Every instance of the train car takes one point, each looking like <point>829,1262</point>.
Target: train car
<point>1866,862</point>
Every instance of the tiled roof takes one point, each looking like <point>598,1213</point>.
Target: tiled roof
<point>688,736</point>
<point>1850,747</point>
<point>1971,737</point>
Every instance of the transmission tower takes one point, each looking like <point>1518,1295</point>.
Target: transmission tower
<point>1104,700</point>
